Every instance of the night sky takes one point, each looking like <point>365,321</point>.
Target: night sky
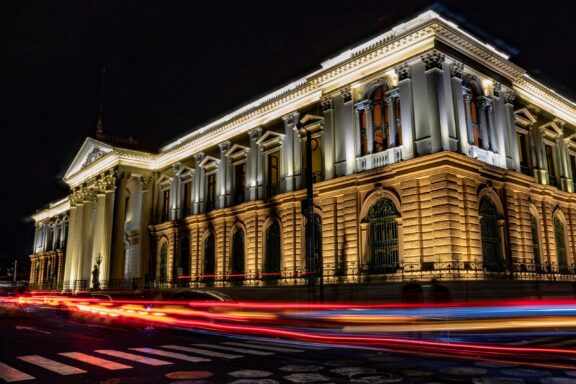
<point>173,65</point>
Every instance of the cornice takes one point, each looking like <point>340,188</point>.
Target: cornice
<point>55,209</point>
<point>545,98</point>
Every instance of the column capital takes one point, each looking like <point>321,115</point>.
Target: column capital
<point>291,118</point>
<point>402,71</point>
<point>509,97</point>
<point>255,133</point>
<point>456,69</point>
<point>346,93</point>
<point>326,103</point>
<point>497,90</point>
<point>224,146</point>
<point>198,157</point>
<point>433,60</point>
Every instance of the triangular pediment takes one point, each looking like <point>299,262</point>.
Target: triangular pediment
<point>270,139</point>
<point>237,152</point>
<point>91,151</point>
<point>524,118</point>
<point>209,162</point>
<point>551,129</point>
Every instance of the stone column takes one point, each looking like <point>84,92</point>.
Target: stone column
<point>406,110</point>
<point>494,144</point>
<point>198,186</point>
<point>223,187</point>
<point>288,161</point>
<point>347,125</point>
<point>36,237</point>
<point>328,143</point>
<point>85,267</point>
<point>369,129</point>
<point>69,264</point>
<point>254,166</point>
<point>437,112</point>
<point>470,129</point>
<point>540,169</point>
<point>509,98</point>
<point>391,121</point>
<point>569,175</point>
<point>357,113</point>
<point>461,107</point>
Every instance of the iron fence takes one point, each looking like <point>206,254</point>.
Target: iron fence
<point>344,274</point>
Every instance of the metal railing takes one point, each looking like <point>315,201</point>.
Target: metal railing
<point>344,274</point>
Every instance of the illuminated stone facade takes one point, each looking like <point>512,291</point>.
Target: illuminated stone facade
<point>432,156</point>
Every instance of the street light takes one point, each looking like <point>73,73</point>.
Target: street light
<point>309,125</point>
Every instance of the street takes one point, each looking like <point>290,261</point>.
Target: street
<point>47,346</point>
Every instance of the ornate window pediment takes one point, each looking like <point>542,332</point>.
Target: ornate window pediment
<point>551,130</point>
<point>270,140</point>
<point>524,118</point>
<point>237,153</point>
<point>209,163</point>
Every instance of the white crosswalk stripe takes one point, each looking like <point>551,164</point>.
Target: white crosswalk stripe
<point>10,375</point>
<point>51,365</point>
<point>202,352</point>
<point>133,357</point>
<point>107,364</point>
<point>239,350</point>
<point>173,355</point>
<point>265,347</point>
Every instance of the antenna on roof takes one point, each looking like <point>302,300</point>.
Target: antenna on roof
<point>99,125</point>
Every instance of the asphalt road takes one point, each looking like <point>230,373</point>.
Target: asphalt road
<point>48,347</point>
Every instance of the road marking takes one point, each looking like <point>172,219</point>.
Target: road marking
<point>202,351</point>
<point>51,365</point>
<point>241,350</point>
<point>265,347</point>
<point>9,374</point>
<point>19,327</point>
<point>111,365</point>
<point>173,355</point>
<point>133,357</point>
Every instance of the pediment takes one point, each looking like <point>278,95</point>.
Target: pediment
<point>91,151</point>
<point>237,152</point>
<point>524,118</point>
<point>209,163</point>
<point>270,139</point>
<point>551,129</point>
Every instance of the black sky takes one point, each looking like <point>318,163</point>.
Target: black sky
<point>172,65</point>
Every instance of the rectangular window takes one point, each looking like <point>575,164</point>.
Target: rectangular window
<point>211,192</point>
<point>551,168</point>
<point>165,204</point>
<point>239,183</point>
<point>187,198</point>
<point>273,182</point>
<point>523,154</point>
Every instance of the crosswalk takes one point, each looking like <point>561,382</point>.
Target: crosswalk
<point>112,360</point>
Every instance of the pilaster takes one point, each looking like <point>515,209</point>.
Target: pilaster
<point>328,146</point>
<point>223,185</point>
<point>254,166</point>
<point>406,110</point>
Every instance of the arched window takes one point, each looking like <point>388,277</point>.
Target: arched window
<point>383,237</point>
<point>238,255</point>
<point>272,255</point>
<point>536,244</point>
<point>163,263</point>
<point>560,245</point>
<point>209,269</point>
<point>491,255</point>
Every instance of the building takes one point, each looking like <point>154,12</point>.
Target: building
<point>432,155</point>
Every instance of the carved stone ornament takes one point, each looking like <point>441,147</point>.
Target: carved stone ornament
<point>326,103</point>
<point>94,155</point>
<point>402,71</point>
<point>289,119</point>
<point>497,89</point>
<point>106,181</point>
<point>456,69</point>
<point>255,133</point>
<point>509,97</point>
<point>433,60</point>
<point>346,94</point>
